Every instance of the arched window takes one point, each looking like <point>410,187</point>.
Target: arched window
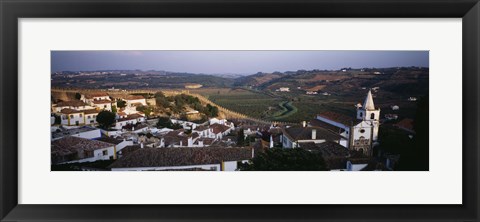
<point>372,116</point>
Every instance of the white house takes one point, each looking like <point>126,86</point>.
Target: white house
<point>129,120</point>
<point>133,100</point>
<point>102,104</point>
<point>72,117</point>
<point>218,131</point>
<point>89,98</point>
<point>292,136</point>
<point>71,149</point>
<point>119,144</point>
<point>90,116</point>
<point>185,124</point>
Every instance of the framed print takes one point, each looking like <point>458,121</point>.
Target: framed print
<point>229,110</point>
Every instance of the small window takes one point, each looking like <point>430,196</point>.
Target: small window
<point>105,152</point>
<point>361,114</point>
<point>88,117</point>
<point>71,116</point>
<point>81,115</point>
<point>372,116</point>
<point>362,131</point>
<point>104,106</point>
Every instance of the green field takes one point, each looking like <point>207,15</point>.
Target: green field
<point>295,106</point>
<point>251,103</point>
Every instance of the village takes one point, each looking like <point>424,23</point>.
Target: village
<point>131,140</point>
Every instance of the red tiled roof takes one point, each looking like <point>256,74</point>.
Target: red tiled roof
<point>158,157</point>
<point>103,101</point>
<point>406,124</point>
<point>71,144</point>
<point>74,103</point>
<point>70,111</point>
<point>305,133</point>
<point>200,128</point>
<point>340,118</point>
<point>130,117</point>
<point>134,97</point>
<point>110,140</point>
<point>218,128</point>
<point>90,111</point>
<point>319,123</point>
<point>91,95</point>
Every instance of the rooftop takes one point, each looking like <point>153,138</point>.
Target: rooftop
<point>110,140</point>
<point>74,103</point>
<point>406,124</point>
<point>90,111</point>
<point>218,128</point>
<point>158,157</point>
<point>340,118</point>
<point>70,111</point>
<point>305,133</point>
<point>70,145</point>
<point>102,101</point>
<point>92,95</point>
<point>319,123</point>
<point>67,132</point>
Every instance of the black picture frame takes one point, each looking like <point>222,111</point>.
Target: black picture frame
<point>11,11</point>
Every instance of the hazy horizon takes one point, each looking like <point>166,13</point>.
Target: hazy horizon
<point>238,62</point>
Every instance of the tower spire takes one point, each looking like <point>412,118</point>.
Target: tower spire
<point>368,104</point>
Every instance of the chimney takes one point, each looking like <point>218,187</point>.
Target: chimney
<point>314,134</point>
<point>190,142</point>
<point>181,143</point>
<point>200,143</point>
<point>304,123</point>
<point>271,141</point>
<point>141,145</point>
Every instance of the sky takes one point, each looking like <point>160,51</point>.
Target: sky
<point>232,62</point>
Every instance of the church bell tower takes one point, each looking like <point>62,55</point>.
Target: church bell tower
<point>369,114</point>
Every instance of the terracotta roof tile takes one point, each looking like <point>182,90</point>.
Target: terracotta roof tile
<point>218,128</point>
<point>158,157</point>
<point>340,118</point>
<point>70,144</point>
<point>103,101</point>
<point>406,124</point>
<point>74,103</point>
<point>70,111</point>
<point>305,133</point>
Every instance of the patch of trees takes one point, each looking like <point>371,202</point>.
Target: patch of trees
<point>279,159</point>
<point>78,96</point>
<point>121,103</point>
<point>166,122</point>
<point>105,119</point>
<point>415,157</point>
<point>177,104</point>
<point>145,109</point>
